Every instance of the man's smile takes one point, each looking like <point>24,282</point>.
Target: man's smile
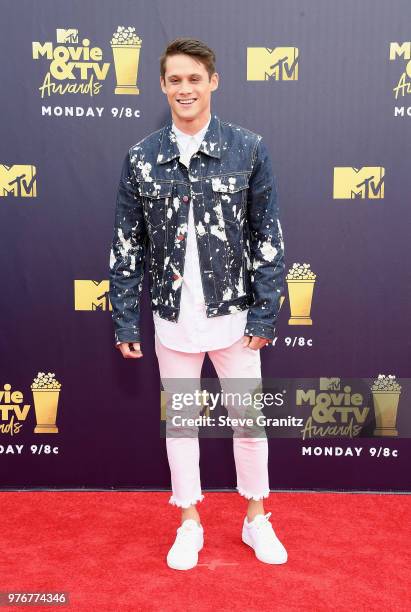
<point>186,101</point>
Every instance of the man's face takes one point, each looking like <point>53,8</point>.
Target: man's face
<point>188,87</point>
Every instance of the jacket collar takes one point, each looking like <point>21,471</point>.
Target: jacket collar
<point>210,145</point>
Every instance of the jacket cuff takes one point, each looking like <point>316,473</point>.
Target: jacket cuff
<point>256,328</point>
<point>127,335</point>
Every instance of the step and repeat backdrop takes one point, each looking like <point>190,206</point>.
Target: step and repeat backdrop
<point>328,86</point>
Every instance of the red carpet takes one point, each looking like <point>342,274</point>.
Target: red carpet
<point>107,550</point>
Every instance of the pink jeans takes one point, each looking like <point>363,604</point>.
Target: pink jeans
<point>250,453</point>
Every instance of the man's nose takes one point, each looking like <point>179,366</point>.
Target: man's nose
<point>185,89</point>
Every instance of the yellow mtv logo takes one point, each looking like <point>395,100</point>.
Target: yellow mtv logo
<point>280,64</point>
<point>352,183</point>
<point>18,181</point>
<point>328,384</point>
<point>91,295</point>
<point>66,36</point>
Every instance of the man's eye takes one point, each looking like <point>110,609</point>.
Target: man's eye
<point>176,80</point>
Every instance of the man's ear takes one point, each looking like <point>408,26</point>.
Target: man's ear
<point>162,84</point>
<point>214,81</point>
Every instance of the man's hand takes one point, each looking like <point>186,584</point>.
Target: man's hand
<point>126,351</point>
<point>255,342</point>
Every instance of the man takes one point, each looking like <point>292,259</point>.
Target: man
<point>198,198</point>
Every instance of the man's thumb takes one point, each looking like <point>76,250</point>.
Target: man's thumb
<point>136,347</point>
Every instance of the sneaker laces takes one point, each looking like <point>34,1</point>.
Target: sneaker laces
<point>263,524</point>
<point>185,534</point>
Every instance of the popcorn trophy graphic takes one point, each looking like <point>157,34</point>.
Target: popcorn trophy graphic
<point>126,47</point>
<point>46,391</point>
<point>300,280</point>
<point>386,394</point>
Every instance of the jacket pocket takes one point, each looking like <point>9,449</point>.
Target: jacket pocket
<point>155,196</point>
<point>230,193</point>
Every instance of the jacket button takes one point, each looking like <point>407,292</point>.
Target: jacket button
<point>186,199</point>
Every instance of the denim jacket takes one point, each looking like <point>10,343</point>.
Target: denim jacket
<point>233,190</point>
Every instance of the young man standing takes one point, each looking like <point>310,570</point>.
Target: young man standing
<point>198,199</point>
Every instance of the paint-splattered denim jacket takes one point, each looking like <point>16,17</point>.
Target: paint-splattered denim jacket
<point>233,190</point>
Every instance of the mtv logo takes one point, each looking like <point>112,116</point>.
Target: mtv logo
<point>67,36</point>
<point>18,181</point>
<point>328,384</point>
<point>91,295</point>
<point>279,64</point>
<point>353,183</point>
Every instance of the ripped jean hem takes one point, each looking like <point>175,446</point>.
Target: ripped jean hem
<point>185,504</point>
<point>244,493</point>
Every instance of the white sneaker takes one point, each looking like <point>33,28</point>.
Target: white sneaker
<point>183,554</point>
<point>260,535</point>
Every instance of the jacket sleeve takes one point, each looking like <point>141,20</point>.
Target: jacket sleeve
<point>127,255</point>
<point>266,247</point>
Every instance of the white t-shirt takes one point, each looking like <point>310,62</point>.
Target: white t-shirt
<point>195,332</point>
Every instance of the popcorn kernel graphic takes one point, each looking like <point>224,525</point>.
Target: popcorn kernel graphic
<point>126,47</point>
<point>300,281</point>
<point>46,391</point>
